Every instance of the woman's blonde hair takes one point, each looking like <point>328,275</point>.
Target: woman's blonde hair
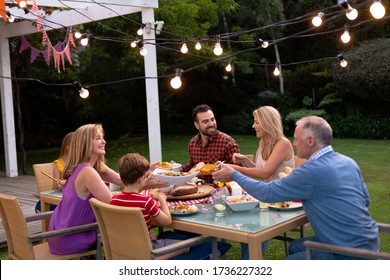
<point>65,145</point>
<point>81,147</point>
<point>270,121</point>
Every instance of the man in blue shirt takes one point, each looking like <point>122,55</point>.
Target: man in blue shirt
<point>331,187</point>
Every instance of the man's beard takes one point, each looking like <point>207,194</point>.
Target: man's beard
<point>209,131</point>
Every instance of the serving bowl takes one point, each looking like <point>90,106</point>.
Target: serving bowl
<point>241,203</point>
<point>172,177</point>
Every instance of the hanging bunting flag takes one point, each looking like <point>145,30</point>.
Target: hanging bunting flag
<point>59,51</point>
<point>34,54</point>
<point>34,11</point>
<point>24,45</point>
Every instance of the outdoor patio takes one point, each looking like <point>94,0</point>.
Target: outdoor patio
<point>24,188</point>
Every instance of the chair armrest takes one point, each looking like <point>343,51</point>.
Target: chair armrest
<point>384,227</point>
<point>39,216</point>
<point>65,231</point>
<point>181,244</point>
<point>343,250</point>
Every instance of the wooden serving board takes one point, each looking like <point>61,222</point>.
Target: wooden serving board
<point>203,190</point>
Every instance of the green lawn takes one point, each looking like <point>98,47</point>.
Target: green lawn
<point>373,157</point>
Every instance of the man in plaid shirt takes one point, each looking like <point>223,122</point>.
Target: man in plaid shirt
<point>209,145</point>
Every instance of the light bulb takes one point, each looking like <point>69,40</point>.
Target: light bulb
<point>345,38</point>
<point>377,10</point>
<point>228,68</point>
<point>78,35</point>
<point>198,46</point>
<point>22,4</point>
<point>84,41</point>
<point>276,71</point>
<point>176,82</point>
<point>133,44</point>
<point>84,93</point>
<point>352,14</point>
<point>264,44</point>
<point>343,63</point>
<point>184,48</point>
<point>140,31</point>
<point>317,20</point>
<point>217,49</point>
<point>143,51</point>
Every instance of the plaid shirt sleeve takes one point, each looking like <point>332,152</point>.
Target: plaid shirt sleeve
<point>220,147</point>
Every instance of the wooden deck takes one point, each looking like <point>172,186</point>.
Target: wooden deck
<point>25,189</point>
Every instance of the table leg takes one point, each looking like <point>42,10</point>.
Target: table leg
<point>214,249</point>
<point>255,250</point>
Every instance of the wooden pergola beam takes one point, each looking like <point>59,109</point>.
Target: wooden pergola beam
<point>70,13</point>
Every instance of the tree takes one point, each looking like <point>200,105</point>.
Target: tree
<point>366,76</point>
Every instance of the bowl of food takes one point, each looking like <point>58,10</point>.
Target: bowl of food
<point>174,166</point>
<point>173,177</point>
<point>241,203</point>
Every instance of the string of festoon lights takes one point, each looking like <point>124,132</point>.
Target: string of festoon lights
<point>377,10</point>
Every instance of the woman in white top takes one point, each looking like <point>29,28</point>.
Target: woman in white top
<point>275,151</point>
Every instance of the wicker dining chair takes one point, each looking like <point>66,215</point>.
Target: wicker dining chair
<point>348,251</point>
<point>25,246</point>
<point>44,183</point>
<point>125,236</point>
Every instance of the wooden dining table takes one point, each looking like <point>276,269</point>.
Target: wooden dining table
<point>252,227</point>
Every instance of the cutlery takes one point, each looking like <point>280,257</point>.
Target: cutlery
<point>219,164</point>
<point>54,179</point>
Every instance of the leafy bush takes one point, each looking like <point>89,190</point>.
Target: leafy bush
<point>291,118</point>
<point>362,127</point>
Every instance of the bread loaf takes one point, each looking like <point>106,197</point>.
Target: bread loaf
<point>287,170</point>
<point>282,174</point>
<point>183,190</point>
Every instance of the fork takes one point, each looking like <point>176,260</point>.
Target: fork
<point>219,164</point>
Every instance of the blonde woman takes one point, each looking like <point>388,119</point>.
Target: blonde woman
<point>275,151</point>
<point>85,172</point>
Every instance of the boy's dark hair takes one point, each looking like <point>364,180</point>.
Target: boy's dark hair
<point>131,167</point>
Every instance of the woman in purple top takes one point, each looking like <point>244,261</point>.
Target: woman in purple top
<point>85,173</point>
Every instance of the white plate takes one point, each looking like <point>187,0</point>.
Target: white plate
<point>173,166</point>
<point>172,180</point>
<point>292,206</point>
<point>176,213</point>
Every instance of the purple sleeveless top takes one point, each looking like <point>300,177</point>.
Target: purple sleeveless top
<point>72,211</point>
